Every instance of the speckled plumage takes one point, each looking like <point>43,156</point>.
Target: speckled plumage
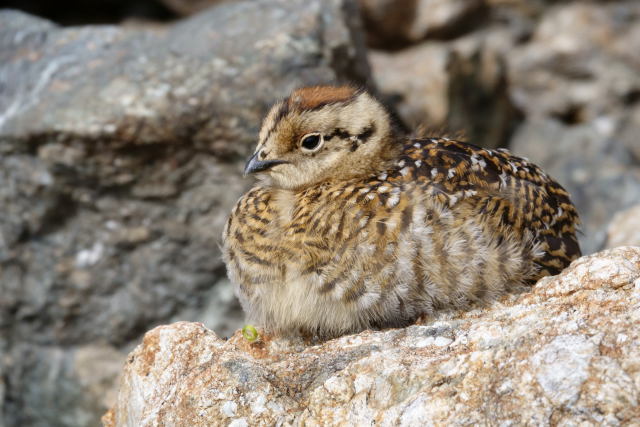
<point>374,229</point>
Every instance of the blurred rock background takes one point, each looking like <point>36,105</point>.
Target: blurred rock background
<point>122,145</point>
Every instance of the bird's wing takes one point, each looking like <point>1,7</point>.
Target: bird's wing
<point>509,192</point>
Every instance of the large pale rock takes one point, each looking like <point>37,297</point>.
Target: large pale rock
<point>630,132</point>
<point>565,353</point>
<point>121,150</point>
<point>624,228</point>
<point>417,80</point>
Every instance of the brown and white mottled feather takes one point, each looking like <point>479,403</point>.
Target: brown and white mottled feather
<point>374,229</point>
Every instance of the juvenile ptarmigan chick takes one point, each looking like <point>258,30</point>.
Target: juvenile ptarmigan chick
<point>353,225</point>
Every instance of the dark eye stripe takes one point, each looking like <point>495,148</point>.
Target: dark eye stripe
<point>340,133</point>
<point>363,136</point>
<point>367,133</point>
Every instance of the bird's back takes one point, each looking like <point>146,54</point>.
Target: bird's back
<point>446,224</point>
<point>509,194</point>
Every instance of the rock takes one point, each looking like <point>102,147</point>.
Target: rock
<point>624,229</point>
<point>519,17</point>
<point>121,151</point>
<point>65,386</point>
<point>581,63</point>
<point>393,24</point>
<point>629,134</point>
<point>3,396</point>
<point>458,86</point>
<point>591,162</point>
<point>419,100</point>
<point>479,101</point>
<point>563,354</point>
<point>189,7</point>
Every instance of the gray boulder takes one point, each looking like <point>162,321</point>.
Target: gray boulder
<point>120,157</point>
<point>624,228</point>
<point>581,62</point>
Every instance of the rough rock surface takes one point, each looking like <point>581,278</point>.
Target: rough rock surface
<point>120,157</point>
<point>624,229</point>
<point>565,353</point>
<point>581,62</point>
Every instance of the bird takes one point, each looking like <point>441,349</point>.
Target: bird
<point>355,224</point>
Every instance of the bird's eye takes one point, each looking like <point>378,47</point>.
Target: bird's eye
<point>311,142</point>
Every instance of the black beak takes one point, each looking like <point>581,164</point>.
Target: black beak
<point>254,165</point>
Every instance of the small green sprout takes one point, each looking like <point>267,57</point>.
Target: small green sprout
<point>250,333</point>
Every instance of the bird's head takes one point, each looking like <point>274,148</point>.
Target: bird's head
<point>321,133</point>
